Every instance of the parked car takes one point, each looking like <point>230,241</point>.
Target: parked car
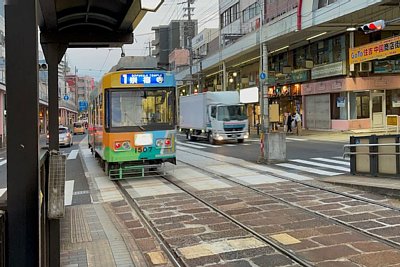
<point>64,136</point>
<point>79,128</point>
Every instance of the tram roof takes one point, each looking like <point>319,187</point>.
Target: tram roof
<point>83,23</point>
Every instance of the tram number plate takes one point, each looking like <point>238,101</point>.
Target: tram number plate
<point>143,149</point>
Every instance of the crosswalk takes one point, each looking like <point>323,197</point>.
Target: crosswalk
<point>317,166</point>
<point>203,145</point>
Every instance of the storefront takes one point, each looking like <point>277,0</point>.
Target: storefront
<point>250,97</point>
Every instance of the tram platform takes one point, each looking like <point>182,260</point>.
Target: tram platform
<point>108,231</point>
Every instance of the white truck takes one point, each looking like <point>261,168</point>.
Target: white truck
<point>216,116</point>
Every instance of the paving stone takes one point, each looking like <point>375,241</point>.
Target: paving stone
<point>240,263</point>
<point>157,258</point>
<point>367,224</point>
<point>392,231</point>
<point>387,213</point>
<point>270,229</point>
<point>140,233</point>
<point>175,219</point>
<point>202,261</point>
<point>343,238</point>
<point>198,210</point>
<point>243,211</point>
<point>184,232</point>
<point>370,246</point>
<point>224,234</point>
<point>246,253</point>
<point>303,245</point>
<point>272,260</point>
<point>391,221</point>
<point>227,202</point>
<point>382,258</point>
<point>328,253</point>
<point>125,216</point>
<point>183,241</point>
<point>338,263</point>
<point>118,203</point>
<point>333,213</point>
<point>146,244</point>
<point>334,199</point>
<point>222,226</point>
<point>162,214</point>
<point>332,206</point>
<point>207,221</point>
<point>133,224</point>
<point>169,226</point>
<point>357,217</point>
<point>353,203</point>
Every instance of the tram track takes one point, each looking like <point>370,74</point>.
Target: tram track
<point>173,256</point>
<point>393,244</point>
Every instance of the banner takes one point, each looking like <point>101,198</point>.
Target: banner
<point>376,50</point>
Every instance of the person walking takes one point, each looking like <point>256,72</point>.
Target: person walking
<point>289,122</point>
<point>297,119</point>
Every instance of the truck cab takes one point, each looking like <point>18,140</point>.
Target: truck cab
<point>227,122</point>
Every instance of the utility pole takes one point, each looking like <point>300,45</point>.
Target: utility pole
<point>189,41</point>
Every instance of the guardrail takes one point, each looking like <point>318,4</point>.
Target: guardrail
<point>374,155</point>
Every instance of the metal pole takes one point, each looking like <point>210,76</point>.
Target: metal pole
<point>21,48</point>
<point>261,70</point>
<point>265,100</point>
<point>190,46</point>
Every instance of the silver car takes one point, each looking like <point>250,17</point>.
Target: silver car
<point>64,136</point>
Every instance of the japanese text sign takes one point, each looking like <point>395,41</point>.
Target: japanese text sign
<point>375,50</point>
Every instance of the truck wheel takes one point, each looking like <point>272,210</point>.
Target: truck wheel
<point>192,138</point>
<point>211,140</point>
<point>240,141</point>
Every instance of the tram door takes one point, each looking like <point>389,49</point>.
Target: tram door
<point>378,109</point>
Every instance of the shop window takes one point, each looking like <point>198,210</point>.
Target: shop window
<point>323,3</point>
<point>362,101</point>
<point>393,102</point>
<point>339,106</point>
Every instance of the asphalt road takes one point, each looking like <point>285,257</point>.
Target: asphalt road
<point>296,148</point>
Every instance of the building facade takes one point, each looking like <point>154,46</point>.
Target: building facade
<point>307,60</point>
<point>176,35</point>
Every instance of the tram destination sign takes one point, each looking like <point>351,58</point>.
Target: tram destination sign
<point>142,78</point>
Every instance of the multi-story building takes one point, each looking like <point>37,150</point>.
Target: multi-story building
<point>308,64</point>
<point>173,36</point>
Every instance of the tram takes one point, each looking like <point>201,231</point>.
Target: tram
<point>132,119</point>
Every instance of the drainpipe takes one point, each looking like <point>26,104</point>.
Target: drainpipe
<point>299,8</point>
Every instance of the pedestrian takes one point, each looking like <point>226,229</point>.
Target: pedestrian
<point>297,119</point>
<point>289,122</point>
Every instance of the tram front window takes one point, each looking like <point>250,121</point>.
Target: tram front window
<point>141,108</point>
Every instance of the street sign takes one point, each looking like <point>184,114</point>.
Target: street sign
<point>263,75</point>
<point>66,97</point>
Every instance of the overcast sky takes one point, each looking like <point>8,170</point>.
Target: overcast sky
<point>95,62</point>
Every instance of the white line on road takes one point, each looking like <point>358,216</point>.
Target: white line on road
<point>3,162</point>
<point>333,161</point>
<point>73,154</point>
<point>312,163</point>
<point>69,190</point>
<point>296,139</point>
<point>2,191</point>
<point>306,169</point>
<point>341,158</point>
<point>203,144</point>
<point>186,144</point>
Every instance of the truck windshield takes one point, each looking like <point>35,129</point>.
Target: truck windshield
<point>140,108</point>
<point>233,112</point>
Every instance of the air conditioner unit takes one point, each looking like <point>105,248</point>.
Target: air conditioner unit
<point>365,66</point>
<point>308,64</point>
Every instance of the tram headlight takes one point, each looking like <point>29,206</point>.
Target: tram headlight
<point>166,143</point>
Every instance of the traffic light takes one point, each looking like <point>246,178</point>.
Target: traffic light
<point>373,26</point>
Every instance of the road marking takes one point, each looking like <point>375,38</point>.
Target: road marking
<point>73,154</point>
<point>230,145</point>
<point>296,139</point>
<point>3,162</point>
<point>69,190</point>
<point>341,158</point>
<point>306,169</point>
<point>84,192</point>
<point>339,168</point>
<point>2,191</point>
<point>186,144</point>
<point>202,144</point>
<point>333,161</point>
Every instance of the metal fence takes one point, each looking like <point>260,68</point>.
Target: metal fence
<point>374,155</point>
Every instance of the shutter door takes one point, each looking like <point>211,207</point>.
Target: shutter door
<point>318,112</point>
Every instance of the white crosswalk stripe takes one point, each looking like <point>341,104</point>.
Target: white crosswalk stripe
<point>203,144</point>
<point>321,166</point>
<point>189,145</point>
<point>312,163</point>
<point>3,162</point>
<point>308,169</point>
<point>73,154</point>
<point>68,192</point>
<point>200,145</point>
<point>333,161</point>
<point>341,158</point>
